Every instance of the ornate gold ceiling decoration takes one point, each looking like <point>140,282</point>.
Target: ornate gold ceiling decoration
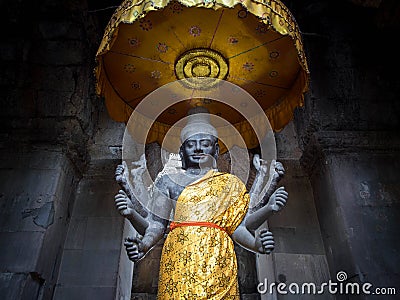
<point>201,63</point>
<point>254,44</point>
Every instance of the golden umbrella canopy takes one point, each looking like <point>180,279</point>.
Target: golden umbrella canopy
<point>255,45</point>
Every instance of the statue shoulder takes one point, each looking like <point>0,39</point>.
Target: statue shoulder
<point>167,181</point>
<point>233,179</point>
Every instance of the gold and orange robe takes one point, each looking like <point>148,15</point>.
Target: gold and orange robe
<point>199,261</point>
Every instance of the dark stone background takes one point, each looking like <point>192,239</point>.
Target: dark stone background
<point>60,236</point>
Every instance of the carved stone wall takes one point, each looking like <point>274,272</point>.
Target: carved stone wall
<point>355,175</point>
<point>59,148</point>
<point>349,134</point>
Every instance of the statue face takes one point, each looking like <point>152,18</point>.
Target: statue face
<point>199,150</point>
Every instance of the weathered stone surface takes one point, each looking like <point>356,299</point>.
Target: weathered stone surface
<point>101,233</point>
<point>58,52</point>
<point>298,269</point>
<point>84,293</point>
<point>36,196</point>
<point>357,204</point>
<point>296,228</point>
<point>76,233</point>
<point>59,29</point>
<point>247,274</point>
<point>125,268</point>
<point>89,204</point>
<point>93,248</point>
<point>351,55</point>
<point>94,267</point>
<point>20,251</point>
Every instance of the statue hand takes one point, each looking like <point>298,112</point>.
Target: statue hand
<point>132,246</point>
<point>119,174</point>
<point>123,204</point>
<point>265,241</point>
<point>278,199</point>
<point>260,167</point>
<point>276,170</point>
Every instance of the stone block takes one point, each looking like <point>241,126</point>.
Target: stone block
<point>109,136</point>
<point>76,233</point>
<point>59,29</point>
<point>96,199</point>
<point>247,274</point>
<point>253,296</point>
<point>89,268</point>
<point>51,159</point>
<point>11,285</point>
<point>8,75</point>
<point>125,268</point>
<point>143,296</point>
<point>298,269</point>
<point>296,228</point>
<point>53,78</point>
<point>20,251</point>
<point>103,233</point>
<point>55,104</point>
<point>287,145</point>
<point>58,52</point>
<point>145,276</point>
<point>84,293</point>
<point>8,51</point>
<point>28,199</point>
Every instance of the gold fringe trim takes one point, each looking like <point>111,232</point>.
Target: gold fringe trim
<point>271,12</point>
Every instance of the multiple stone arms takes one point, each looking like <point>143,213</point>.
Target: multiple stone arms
<point>257,185</point>
<point>122,178</point>
<point>150,227</point>
<point>276,172</point>
<point>262,243</point>
<point>127,205</point>
<point>137,247</point>
<point>127,210</point>
<point>270,199</point>
<point>265,202</point>
<point>276,202</point>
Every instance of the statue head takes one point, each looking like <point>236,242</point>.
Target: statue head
<point>199,148</point>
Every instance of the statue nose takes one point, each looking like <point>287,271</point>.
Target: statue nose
<point>198,148</point>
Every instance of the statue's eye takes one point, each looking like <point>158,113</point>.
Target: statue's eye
<point>206,143</point>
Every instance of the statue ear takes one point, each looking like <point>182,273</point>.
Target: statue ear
<point>216,150</point>
<point>182,158</point>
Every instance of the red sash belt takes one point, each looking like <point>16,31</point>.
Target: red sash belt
<point>174,225</point>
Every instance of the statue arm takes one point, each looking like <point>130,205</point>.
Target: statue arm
<point>138,247</point>
<point>261,170</point>
<point>260,198</point>
<point>122,178</point>
<point>269,200</point>
<point>262,243</point>
<point>127,210</point>
<point>132,210</point>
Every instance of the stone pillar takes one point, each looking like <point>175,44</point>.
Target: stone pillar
<point>299,255</point>
<point>94,264</point>
<point>36,195</point>
<point>354,176</point>
<point>93,248</point>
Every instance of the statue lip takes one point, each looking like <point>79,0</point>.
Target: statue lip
<point>198,156</point>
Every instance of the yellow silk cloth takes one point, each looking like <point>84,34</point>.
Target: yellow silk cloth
<point>199,262</point>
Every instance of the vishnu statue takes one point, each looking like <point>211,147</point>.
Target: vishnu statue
<point>209,209</point>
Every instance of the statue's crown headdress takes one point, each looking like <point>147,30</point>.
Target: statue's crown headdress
<point>198,121</point>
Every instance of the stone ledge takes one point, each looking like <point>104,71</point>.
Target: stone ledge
<point>322,143</point>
